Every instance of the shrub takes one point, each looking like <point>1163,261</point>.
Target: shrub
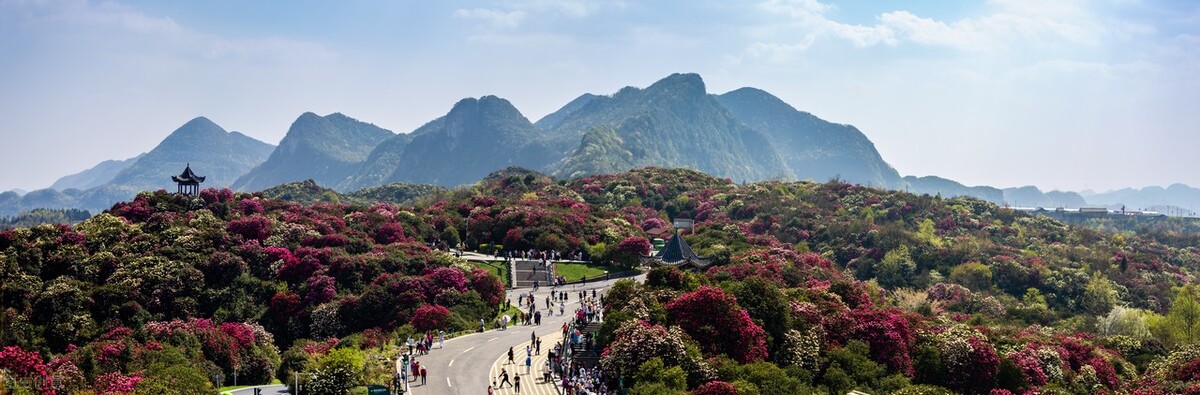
<point>430,317</point>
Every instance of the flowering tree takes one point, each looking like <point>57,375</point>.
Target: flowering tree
<point>430,317</point>
<point>715,388</point>
<point>489,287</point>
<point>23,365</point>
<point>251,228</point>
<point>887,333</point>
<point>712,317</point>
<point>638,341</point>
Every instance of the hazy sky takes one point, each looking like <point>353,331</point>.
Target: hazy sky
<point>1059,94</point>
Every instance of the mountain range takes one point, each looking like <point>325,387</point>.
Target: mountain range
<point>744,135</point>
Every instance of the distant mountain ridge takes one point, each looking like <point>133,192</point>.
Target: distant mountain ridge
<point>745,135</point>
<point>219,155</point>
<point>811,147</point>
<point>95,176</point>
<point>324,149</point>
<point>672,123</point>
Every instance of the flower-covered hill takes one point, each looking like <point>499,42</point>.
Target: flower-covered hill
<point>818,287</point>
<point>830,287</point>
<point>168,289</point>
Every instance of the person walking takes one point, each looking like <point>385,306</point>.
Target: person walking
<point>441,339</point>
<point>528,364</point>
<point>423,375</point>
<point>490,390</point>
<point>517,384</point>
<point>510,355</point>
<point>504,378</point>
<point>538,349</point>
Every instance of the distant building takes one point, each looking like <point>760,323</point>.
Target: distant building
<point>188,182</point>
<point>677,252</point>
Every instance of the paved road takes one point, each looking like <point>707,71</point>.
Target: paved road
<point>266,390</point>
<point>465,365</point>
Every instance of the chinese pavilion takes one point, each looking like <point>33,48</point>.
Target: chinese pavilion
<point>189,183</point>
<point>677,252</point>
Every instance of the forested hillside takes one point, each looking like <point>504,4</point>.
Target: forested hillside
<point>817,287</point>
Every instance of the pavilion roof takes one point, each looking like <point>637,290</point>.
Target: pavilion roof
<point>187,177</point>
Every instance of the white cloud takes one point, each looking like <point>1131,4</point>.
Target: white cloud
<point>105,19</point>
<point>496,18</point>
<point>1009,23</point>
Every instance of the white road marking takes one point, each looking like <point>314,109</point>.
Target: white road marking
<point>450,364</point>
<point>448,382</point>
<point>494,338</point>
<point>465,351</point>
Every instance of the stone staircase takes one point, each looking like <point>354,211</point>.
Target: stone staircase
<point>525,273</point>
<point>588,358</point>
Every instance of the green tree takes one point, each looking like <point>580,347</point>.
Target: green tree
<point>1099,296</point>
<point>1181,326</point>
<point>897,268</point>
<point>973,275</point>
<point>654,377</point>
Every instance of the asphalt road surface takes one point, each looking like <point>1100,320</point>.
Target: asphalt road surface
<point>464,366</point>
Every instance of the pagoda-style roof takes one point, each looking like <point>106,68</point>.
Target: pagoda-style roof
<point>187,177</point>
<point>677,252</point>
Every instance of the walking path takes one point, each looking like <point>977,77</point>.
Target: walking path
<point>531,381</point>
<point>468,364</point>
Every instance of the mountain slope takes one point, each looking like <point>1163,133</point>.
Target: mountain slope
<point>383,160</point>
<point>1178,195</point>
<point>601,151</point>
<point>475,138</point>
<point>933,185</point>
<point>1031,196</point>
<point>553,119</point>
<point>811,147</point>
<point>672,123</point>
<point>212,152</point>
<point>324,149</point>
<point>96,176</point>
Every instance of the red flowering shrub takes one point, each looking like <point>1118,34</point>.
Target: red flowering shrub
<point>715,388</point>
<point>319,289</point>
<point>887,333</point>
<point>712,317</point>
<point>23,364</point>
<point>251,228</point>
<point>138,210</point>
<point>653,223</point>
<point>116,383</point>
<point>242,333</point>
<point>294,269</point>
<point>284,304</point>
<point>446,278</point>
<point>756,263</point>
<point>628,250</point>
<point>251,207</point>
<point>489,287</point>
<point>389,233</point>
<point>430,317</point>
<point>320,348</point>
<point>1027,361</point>
<point>1105,372</point>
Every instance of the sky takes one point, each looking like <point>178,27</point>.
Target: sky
<point>1063,94</point>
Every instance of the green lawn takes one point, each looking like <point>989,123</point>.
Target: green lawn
<point>576,271</point>
<point>499,268</point>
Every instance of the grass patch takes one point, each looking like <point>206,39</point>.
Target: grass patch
<point>499,268</point>
<point>576,271</point>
